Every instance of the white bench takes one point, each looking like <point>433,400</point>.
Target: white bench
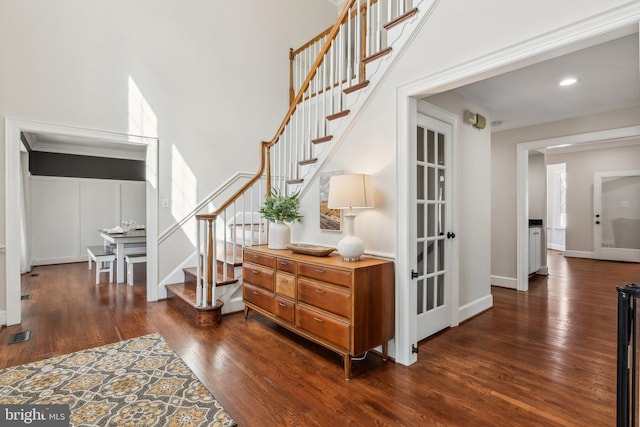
<point>104,259</point>
<point>132,259</point>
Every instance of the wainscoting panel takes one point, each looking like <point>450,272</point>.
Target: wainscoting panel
<point>66,214</point>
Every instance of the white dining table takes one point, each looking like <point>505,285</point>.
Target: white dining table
<point>120,240</point>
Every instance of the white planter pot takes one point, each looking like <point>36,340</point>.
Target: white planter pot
<point>279,235</point>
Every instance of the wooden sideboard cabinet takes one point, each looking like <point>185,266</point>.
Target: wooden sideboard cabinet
<point>347,307</point>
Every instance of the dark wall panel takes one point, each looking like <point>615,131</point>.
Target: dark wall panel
<point>75,166</point>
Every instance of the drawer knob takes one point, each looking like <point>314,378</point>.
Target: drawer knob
<point>319,270</point>
<point>255,271</point>
<point>284,263</point>
<point>320,291</point>
<point>318,320</point>
<point>282,305</point>
<point>256,293</point>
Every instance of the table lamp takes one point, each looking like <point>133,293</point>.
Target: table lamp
<point>347,192</point>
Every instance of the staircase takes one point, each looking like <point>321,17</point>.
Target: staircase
<point>331,78</point>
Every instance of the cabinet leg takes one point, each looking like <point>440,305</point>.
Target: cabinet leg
<point>347,367</point>
<point>385,350</point>
<point>246,312</point>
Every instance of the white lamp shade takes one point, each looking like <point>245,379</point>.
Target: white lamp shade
<point>350,191</point>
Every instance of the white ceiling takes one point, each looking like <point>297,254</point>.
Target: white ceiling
<point>608,78</point>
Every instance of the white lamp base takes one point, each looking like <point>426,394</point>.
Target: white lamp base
<point>350,247</point>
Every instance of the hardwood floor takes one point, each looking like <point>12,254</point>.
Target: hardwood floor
<point>546,357</point>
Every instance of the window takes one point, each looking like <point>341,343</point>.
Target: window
<point>557,196</point>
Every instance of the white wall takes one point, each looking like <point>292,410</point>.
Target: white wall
<point>67,213</point>
<point>503,180</point>
<point>538,198</point>
<point>537,186</point>
<point>214,74</point>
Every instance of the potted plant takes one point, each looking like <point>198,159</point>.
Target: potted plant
<point>278,209</point>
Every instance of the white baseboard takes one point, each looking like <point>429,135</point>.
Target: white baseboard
<point>504,282</point>
<point>475,307</point>
<point>544,271</point>
<point>555,247</point>
<point>580,254</point>
<point>3,317</point>
<point>61,260</point>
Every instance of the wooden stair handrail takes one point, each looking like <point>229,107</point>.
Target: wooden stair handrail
<point>266,145</point>
<point>263,165</point>
<point>312,71</point>
<point>295,52</point>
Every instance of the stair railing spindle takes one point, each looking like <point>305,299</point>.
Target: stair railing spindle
<point>379,26</point>
<point>234,240</point>
<point>225,249</point>
<point>324,100</point>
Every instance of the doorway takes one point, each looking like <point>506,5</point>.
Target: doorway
<point>609,136</point>
<point>13,130</point>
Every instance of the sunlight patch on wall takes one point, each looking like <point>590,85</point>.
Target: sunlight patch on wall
<point>142,120</point>
<point>183,192</point>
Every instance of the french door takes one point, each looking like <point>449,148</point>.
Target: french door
<point>616,208</point>
<point>433,236</point>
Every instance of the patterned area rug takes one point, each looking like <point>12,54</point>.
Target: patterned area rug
<point>141,381</point>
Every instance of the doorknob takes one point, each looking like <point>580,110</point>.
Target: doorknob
<point>451,235</point>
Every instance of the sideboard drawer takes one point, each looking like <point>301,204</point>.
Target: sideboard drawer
<point>258,276</point>
<point>286,284</point>
<point>262,259</point>
<point>287,265</point>
<point>284,309</point>
<point>331,275</point>
<point>258,296</point>
<point>323,326</point>
<point>328,298</point>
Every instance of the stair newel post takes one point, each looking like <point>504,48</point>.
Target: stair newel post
<point>198,264</point>
<point>291,90</point>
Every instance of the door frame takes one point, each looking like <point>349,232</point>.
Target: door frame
<point>617,254</point>
<point>13,129</point>
<point>583,33</point>
<point>522,191</point>
<point>406,325</point>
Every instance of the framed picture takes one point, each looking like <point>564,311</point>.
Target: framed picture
<point>330,219</point>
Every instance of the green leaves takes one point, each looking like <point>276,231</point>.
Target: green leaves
<point>281,208</point>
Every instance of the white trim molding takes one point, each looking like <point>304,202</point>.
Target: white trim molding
<point>476,307</point>
<point>504,282</point>
<point>13,129</point>
<point>580,254</point>
<point>569,38</point>
<point>3,317</point>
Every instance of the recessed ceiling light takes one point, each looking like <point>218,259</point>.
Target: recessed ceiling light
<point>568,81</point>
<point>496,123</point>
